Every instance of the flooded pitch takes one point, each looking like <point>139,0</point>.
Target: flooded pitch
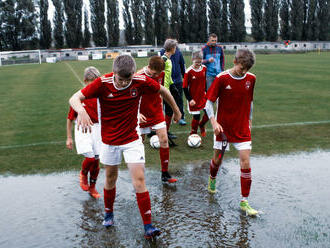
<point>292,191</point>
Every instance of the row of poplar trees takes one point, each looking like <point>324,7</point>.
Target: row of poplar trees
<point>25,23</point>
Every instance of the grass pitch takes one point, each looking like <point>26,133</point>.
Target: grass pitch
<point>291,88</point>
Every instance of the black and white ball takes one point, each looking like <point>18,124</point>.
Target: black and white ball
<point>154,142</point>
<point>194,140</point>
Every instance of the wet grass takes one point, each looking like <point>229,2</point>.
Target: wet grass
<point>34,104</point>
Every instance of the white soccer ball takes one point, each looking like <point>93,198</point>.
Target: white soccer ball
<point>194,140</point>
<point>154,142</point>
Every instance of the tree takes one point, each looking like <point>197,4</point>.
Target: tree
<point>149,34</point>
<point>296,16</point>
<point>161,21</point>
<point>305,17</point>
<point>201,18</point>
<point>113,22</point>
<point>271,19</point>
<point>45,26</point>
<point>128,22</point>
<point>224,26</point>
<point>87,35</point>
<point>137,24</point>
<point>73,11</point>
<point>285,20</point>
<point>324,19</point>
<point>174,24</point>
<point>98,22</point>
<point>191,24</point>
<point>215,17</point>
<point>312,22</point>
<point>257,19</point>
<point>58,24</point>
<point>183,24</point>
<point>237,20</point>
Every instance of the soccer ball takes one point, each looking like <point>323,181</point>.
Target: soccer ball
<point>154,141</point>
<point>194,140</point>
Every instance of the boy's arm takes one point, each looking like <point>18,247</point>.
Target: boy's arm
<point>69,141</point>
<point>83,118</point>
<point>168,75</point>
<point>167,96</point>
<point>217,128</point>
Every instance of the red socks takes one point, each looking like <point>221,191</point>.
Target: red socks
<point>204,120</point>
<point>86,165</point>
<point>164,154</point>
<point>168,120</point>
<point>143,201</point>
<point>94,171</point>
<point>245,182</point>
<point>214,169</point>
<point>109,199</point>
<point>194,126</point>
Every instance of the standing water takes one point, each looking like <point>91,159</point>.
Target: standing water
<point>292,192</point>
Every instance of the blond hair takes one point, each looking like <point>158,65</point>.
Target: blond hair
<point>197,55</point>
<point>91,73</point>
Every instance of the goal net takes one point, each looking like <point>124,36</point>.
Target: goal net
<point>20,57</point>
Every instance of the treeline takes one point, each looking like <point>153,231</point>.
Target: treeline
<point>25,23</point>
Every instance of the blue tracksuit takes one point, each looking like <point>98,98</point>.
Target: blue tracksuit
<point>214,68</point>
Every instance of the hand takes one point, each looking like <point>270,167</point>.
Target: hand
<point>211,60</point>
<point>142,118</point>
<point>69,143</point>
<point>192,102</point>
<point>176,116</point>
<point>217,128</point>
<point>84,121</point>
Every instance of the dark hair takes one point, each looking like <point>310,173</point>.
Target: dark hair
<point>156,63</point>
<point>245,57</point>
<point>213,35</point>
<point>197,55</point>
<point>124,66</point>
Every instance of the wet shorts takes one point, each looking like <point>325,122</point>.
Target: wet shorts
<point>146,130</point>
<point>238,146</point>
<point>112,155</point>
<point>88,144</point>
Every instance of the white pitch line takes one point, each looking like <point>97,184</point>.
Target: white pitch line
<point>178,132</point>
<point>74,73</point>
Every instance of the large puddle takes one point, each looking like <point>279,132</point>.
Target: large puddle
<point>292,191</point>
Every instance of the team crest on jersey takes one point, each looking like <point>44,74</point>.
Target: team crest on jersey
<point>133,92</point>
<point>247,85</point>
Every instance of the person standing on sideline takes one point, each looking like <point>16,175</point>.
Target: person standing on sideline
<point>87,144</point>
<point>234,89</point>
<point>213,58</point>
<point>178,71</point>
<point>119,95</point>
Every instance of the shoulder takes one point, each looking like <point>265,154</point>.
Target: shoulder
<point>251,75</point>
<point>189,69</point>
<point>139,77</point>
<point>222,74</point>
<point>107,78</point>
<point>204,67</point>
<point>205,47</point>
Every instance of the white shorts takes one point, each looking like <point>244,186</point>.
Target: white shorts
<point>193,112</point>
<point>133,153</point>
<point>146,130</point>
<point>88,144</point>
<point>238,146</point>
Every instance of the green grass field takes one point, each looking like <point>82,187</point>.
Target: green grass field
<point>34,103</point>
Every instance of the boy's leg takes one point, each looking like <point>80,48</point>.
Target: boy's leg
<point>111,175</point>
<point>94,172</point>
<point>194,123</point>
<point>85,167</point>
<point>214,168</point>
<point>143,198</point>
<point>202,124</point>
<point>164,153</point>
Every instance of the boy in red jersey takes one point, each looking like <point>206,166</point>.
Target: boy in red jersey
<point>87,144</point>
<point>151,109</point>
<point>119,94</point>
<point>234,90</point>
<point>194,89</point>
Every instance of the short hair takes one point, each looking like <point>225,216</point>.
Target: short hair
<point>170,44</point>
<point>245,57</point>
<point>197,55</point>
<point>156,63</point>
<point>124,65</point>
<point>213,35</point>
<point>91,73</point>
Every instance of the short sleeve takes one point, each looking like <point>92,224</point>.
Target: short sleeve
<point>72,115</point>
<point>213,92</point>
<point>150,86</point>
<point>93,90</point>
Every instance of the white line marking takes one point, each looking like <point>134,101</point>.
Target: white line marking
<point>74,73</point>
<point>178,132</point>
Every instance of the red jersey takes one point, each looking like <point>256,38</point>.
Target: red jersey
<point>195,81</point>
<point>91,107</point>
<point>119,107</point>
<point>151,105</point>
<point>234,105</point>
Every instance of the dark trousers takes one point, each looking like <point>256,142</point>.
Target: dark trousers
<point>179,99</point>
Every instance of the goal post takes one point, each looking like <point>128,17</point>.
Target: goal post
<point>20,57</point>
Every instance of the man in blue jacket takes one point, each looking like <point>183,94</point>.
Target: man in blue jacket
<point>213,59</point>
<point>178,71</point>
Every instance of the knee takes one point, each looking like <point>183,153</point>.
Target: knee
<point>163,141</point>
<point>111,179</point>
<point>245,163</point>
<point>139,184</point>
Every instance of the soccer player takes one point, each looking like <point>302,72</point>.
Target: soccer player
<point>194,90</point>
<point>151,108</point>
<point>170,48</point>
<point>119,95</point>
<point>234,90</point>
<point>87,144</point>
